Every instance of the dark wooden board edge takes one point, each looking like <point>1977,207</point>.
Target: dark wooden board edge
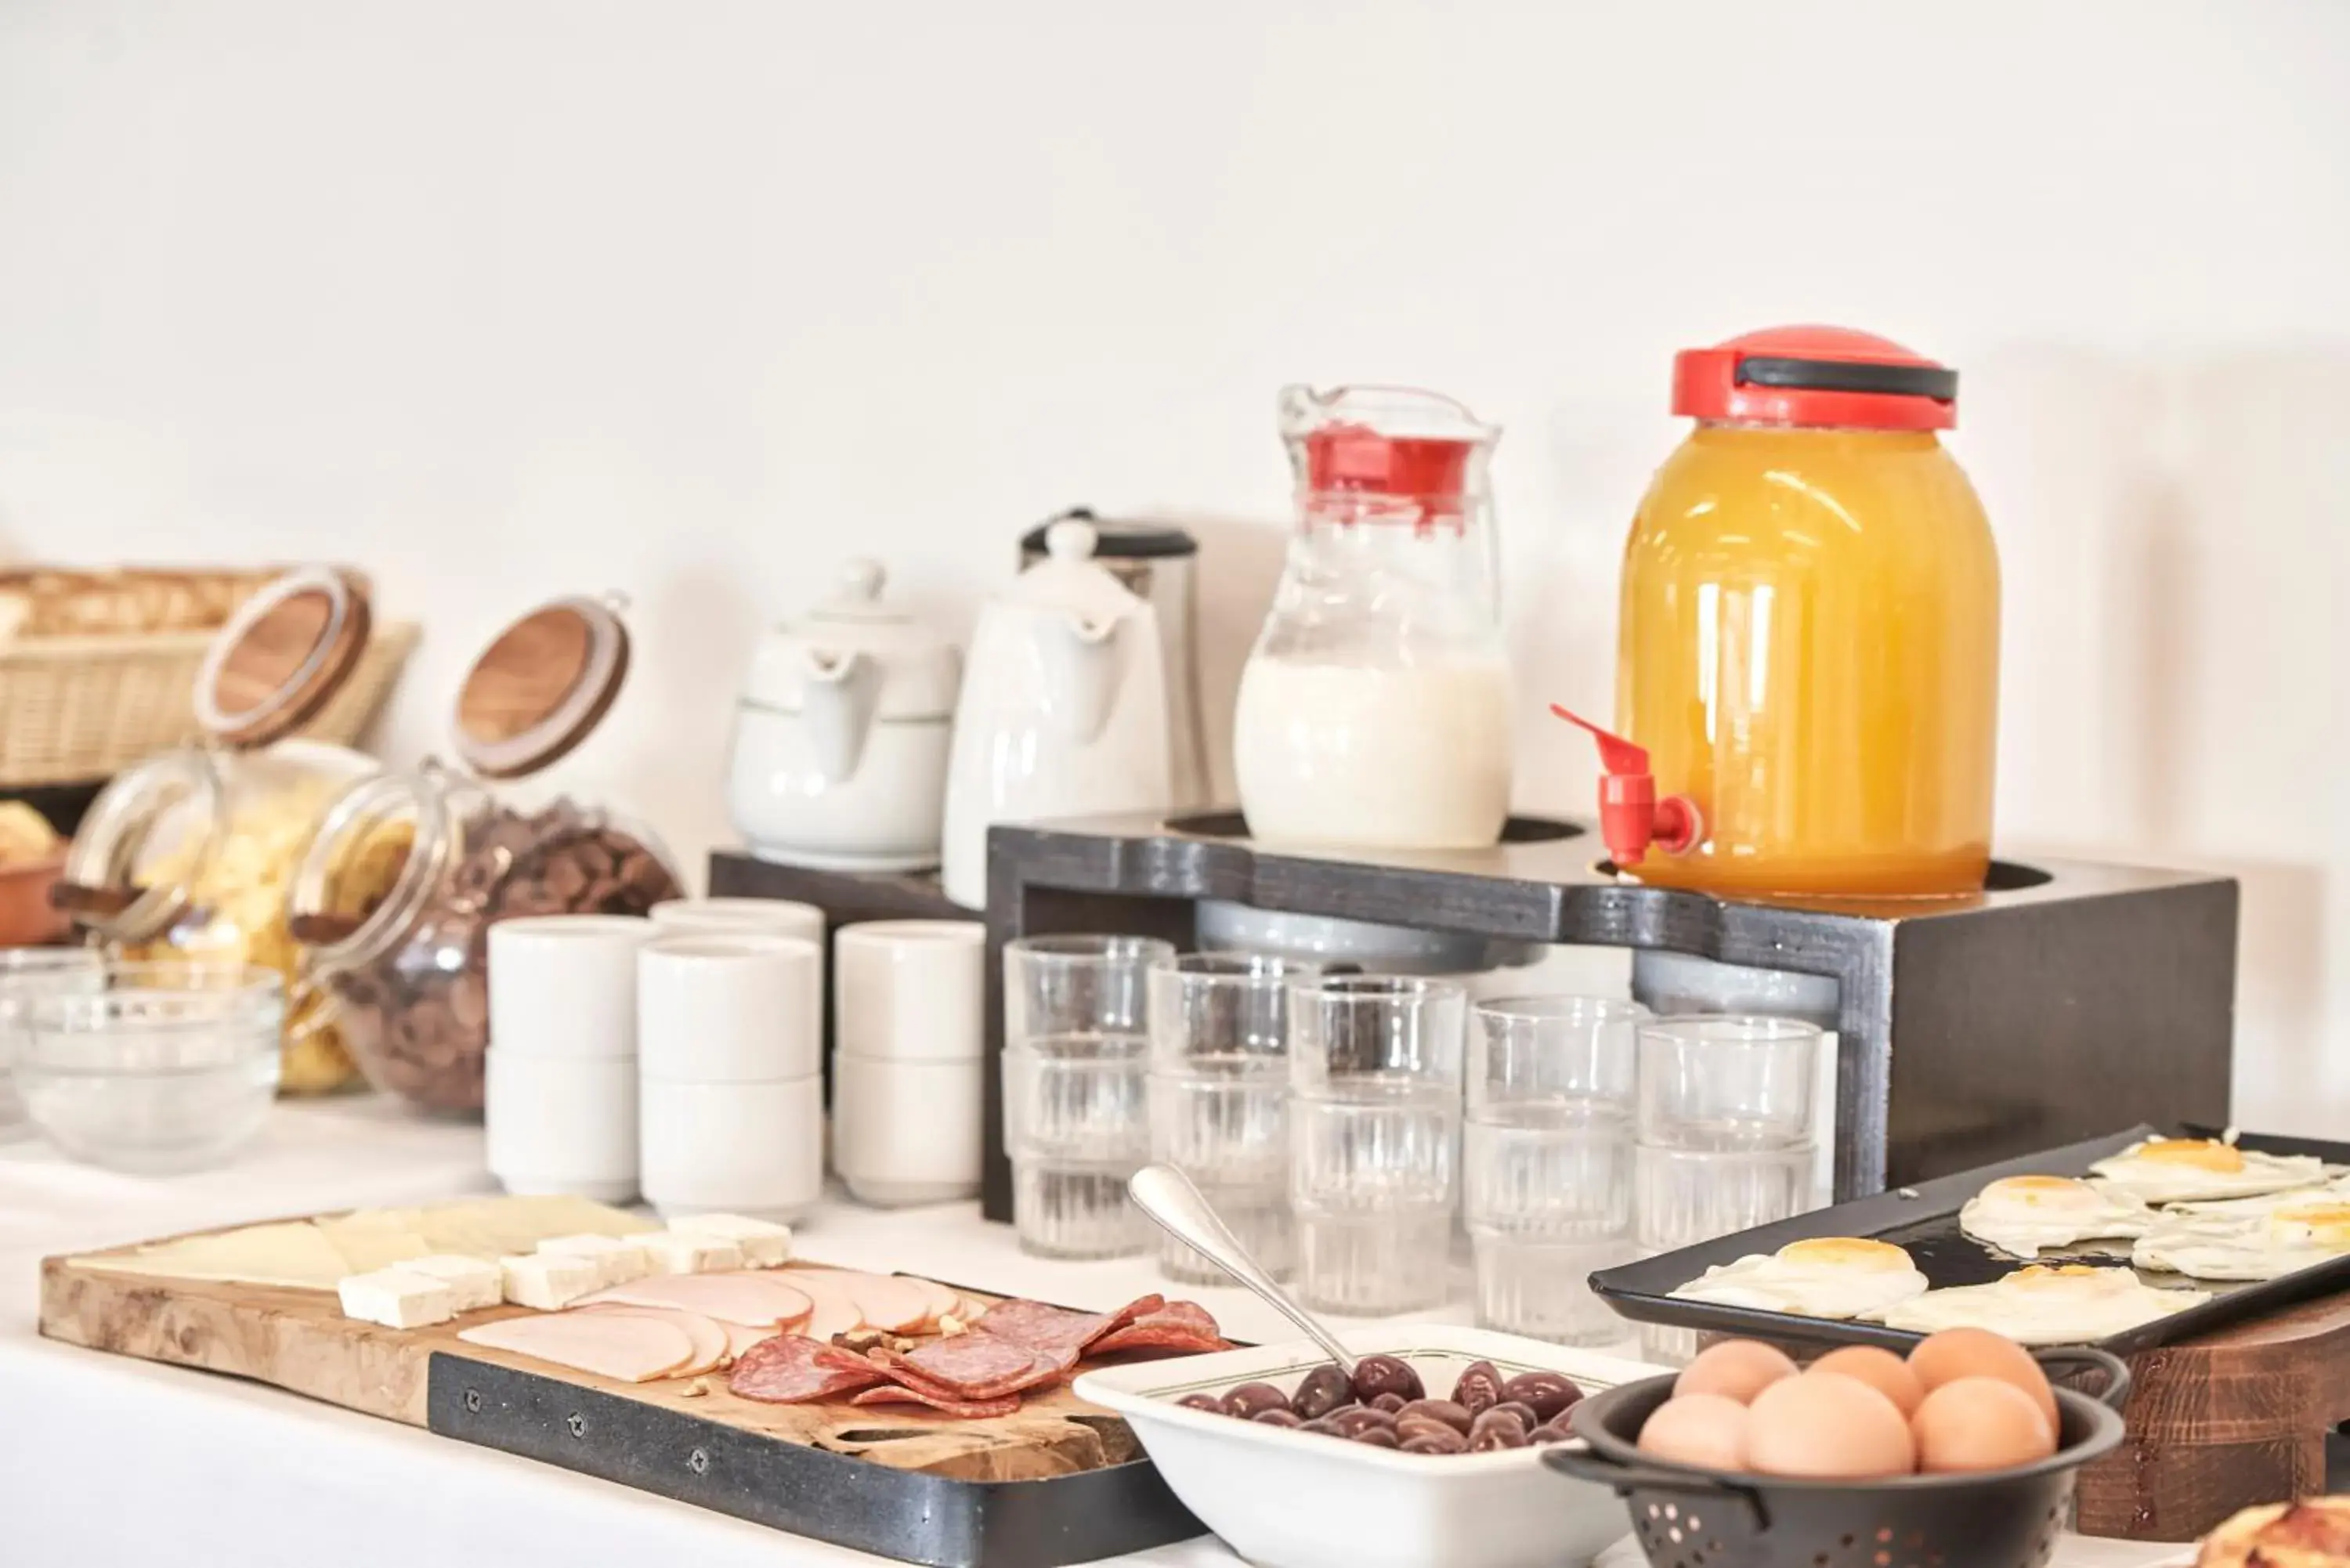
<point>1639,1290</point>
<point>806,1491</point>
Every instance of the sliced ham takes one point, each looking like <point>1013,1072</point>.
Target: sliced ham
<point>940,1300</point>
<point>753,1300</point>
<point>888,1302</point>
<point>961,1410</point>
<point>832,1310</point>
<point>790,1369</point>
<point>624,1347</point>
<point>741,1337</point>
<point>712,1339</point>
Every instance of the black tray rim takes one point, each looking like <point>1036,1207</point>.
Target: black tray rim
<point>1632,1290</point>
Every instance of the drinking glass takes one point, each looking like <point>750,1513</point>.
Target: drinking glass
<point>1375,1130</point>
<point>1077,1053</point>
<point>25,974</point>
<point>1219,1089</point>
<point>1547,1161</point>
<point>1724,1135</point>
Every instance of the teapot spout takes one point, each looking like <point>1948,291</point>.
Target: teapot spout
<point>841,694</point>
<point>1085,662</point>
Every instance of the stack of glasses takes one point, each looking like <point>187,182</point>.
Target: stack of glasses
<point>1546,1162</point>
<point>1725,1130</point>
<point>1218,1087</point>
<point>1375,1129</point>
<point>1077,1055</point>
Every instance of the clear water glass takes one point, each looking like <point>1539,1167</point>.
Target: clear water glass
<point>1219,1094</point>
<point>1375,1139</point>
<point>26,973</point>
<point>1548,1181</point>
<point>1725,1135</point>
<point>1075,1062</point>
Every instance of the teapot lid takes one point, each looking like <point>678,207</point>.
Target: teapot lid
<point>282,657</point>
<point>920,668</point>
<point>541,688</point>
<point>1116,538</point>
<point>1067,578</point>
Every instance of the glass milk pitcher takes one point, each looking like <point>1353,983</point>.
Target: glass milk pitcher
<point>1375,708</point>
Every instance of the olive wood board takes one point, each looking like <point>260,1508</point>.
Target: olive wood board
<point>1061,1481</point>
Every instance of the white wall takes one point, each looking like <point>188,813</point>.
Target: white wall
<point>507,297</point>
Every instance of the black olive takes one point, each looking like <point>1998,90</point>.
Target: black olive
<point>1478,1387</point>
<point>1499,1435</point>
<point>1325,1389</point>
<point>1525,1413</point>
<point>1442,1410</point>
<point>1378,1375</point>
<point>1377,1438</point>
<point>1356,1420</point>
<point>1432,1438</point>
<point>1202,1402</point>
<point>1249,1398</point>
<point>1277,1416</point>
<point>1548,1432</point>
<point>1546,1392</point>
<point>1391,1403</point>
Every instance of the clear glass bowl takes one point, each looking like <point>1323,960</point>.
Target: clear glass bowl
<point>165,1067</point>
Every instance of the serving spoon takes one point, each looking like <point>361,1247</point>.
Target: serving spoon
<point>1179,1208</point>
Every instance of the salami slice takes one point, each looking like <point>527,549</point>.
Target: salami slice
<point>980,1365</point>
<point>1057,1329</point>
<point>790,1369</point>
<point>961,1410</point>
<point>1181,1328</point>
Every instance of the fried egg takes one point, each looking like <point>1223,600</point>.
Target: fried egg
<point>2337,1185</point>
<point>2070,1305</point>
<point>2250,1246</point>
<point>2021,1215</point>
<point>1826,1276</point>
<point>2183,1170</point>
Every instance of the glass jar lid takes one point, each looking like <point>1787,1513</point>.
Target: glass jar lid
<point>541,687</point>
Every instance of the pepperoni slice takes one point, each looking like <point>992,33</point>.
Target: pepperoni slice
<point>790,1369</point>
<point>980,1365</point>
<point>963,1409</point>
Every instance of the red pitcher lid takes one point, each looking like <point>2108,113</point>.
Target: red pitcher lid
<point>1817,376</point>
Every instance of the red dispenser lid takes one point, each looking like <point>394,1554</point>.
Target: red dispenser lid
<point>1818,377</point>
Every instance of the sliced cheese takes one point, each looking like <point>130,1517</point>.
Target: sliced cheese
<point>293,1254</point>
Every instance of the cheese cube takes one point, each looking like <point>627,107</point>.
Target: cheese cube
<point>473,1283</point>
<point>548,1281</point>
<point>685,1253</point>
<point>396,1298</point>
<point>617,1262</point>
<point>763,1242</point>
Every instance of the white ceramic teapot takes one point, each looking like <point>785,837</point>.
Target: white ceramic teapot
<point>841,735</point>
<point>1065,710</point>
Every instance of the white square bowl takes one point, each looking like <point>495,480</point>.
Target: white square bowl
<point>1286,1498</point>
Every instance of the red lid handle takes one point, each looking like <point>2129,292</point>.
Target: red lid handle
<point>1631,817</point>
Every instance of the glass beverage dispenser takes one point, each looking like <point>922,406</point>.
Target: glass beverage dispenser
<point>1807,677</point>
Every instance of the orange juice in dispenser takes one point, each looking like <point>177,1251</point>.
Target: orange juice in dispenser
<point>1807,675</point>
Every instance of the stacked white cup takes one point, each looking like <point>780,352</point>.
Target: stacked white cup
<point>909,1068</point>
<point>560,1078</point>
<point>730,1019</point>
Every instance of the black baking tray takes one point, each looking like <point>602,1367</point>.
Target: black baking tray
<point>849,1501</point>
<point>1924,1220</point>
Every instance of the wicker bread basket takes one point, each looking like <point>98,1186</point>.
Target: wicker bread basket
<point>75,708</point>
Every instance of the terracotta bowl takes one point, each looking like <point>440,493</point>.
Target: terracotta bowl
<point>26,918</point>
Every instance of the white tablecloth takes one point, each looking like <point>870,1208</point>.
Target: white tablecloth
<point>105,1460</point>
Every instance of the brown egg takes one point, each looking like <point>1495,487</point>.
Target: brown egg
<point>1828,1425</point>
<point>1957,1353</point>
<point>1980,1424</point>
<point>1708,1430</point>
<point>1739,1369</point>
<point>1881,1370</point>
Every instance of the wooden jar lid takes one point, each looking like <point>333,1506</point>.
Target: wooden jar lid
<point>541,688</point>
<point>282,657</point>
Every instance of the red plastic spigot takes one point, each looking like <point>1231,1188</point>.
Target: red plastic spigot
<point>1631,817</point>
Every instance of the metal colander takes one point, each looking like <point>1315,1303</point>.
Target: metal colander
<point>1689,1518</point>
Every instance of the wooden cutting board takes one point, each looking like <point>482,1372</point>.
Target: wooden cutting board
<point>299,1340</point>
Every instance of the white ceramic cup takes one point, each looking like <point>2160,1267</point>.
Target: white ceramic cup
<point>906,1132</point>
<point>719,1006</point>
<point>778,917</point>
<point>561,1126</point>
<point>740,1148</point>
<point>566,985</point>
<point>910,991</point>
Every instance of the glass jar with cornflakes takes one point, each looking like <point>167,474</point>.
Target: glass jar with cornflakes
<point>190,853</point>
